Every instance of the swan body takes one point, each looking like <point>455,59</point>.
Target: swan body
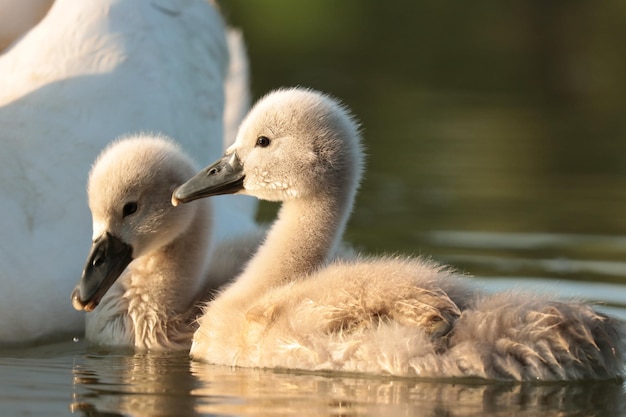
<point>293,308</point>
<point>91,71</point>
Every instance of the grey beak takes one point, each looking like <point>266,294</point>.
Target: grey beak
<point>223,177</point>
<point>108,258</point>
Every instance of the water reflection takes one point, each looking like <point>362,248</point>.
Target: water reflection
<point>120,383</point>
<point>259,392</point>
<point>140,384</point>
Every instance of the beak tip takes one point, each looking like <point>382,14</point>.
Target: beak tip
<point>179,196</point>
<point>76,302</point>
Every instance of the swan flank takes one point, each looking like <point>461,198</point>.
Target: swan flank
<point>293,308</point>
<point>89,72</point>
<point>147,270</point>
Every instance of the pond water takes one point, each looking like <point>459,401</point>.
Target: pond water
<point>62,379</point>
<point>495,135</point>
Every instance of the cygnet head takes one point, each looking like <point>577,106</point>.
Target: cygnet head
<point>129,191</point>
<point>294,143</point>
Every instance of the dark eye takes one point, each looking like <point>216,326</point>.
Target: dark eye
<point>263,141</point>
<point>129,208</point>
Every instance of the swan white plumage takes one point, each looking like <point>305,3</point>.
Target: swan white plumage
<point>400,316</point>
<point>91,71</point>
<point>146,274</point>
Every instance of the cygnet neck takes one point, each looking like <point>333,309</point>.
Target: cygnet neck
<point>169,279</point>
<point>303,237</point>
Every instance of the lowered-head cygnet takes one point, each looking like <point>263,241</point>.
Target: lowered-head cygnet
<point>147,268</point>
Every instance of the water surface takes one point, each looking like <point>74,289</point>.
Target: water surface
<point>70,378</point>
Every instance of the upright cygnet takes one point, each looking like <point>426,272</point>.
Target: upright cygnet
<point>303,148</point>
<point>292,308</point>
<point>147,269</point>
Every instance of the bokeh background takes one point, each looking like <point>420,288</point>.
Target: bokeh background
<point>499,117</point>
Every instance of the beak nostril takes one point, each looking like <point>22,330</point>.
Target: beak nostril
<point>213,171</point>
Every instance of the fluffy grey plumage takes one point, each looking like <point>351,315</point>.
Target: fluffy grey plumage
<point>294,308</point>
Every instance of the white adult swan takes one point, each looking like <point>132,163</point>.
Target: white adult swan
<point>401,316</point>
<point>147,272</point>
<point>89,72</point>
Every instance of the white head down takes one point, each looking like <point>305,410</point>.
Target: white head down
<point>129,191</point>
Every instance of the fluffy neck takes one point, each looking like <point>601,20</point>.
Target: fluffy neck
<point>305,234</point>
<point>152,306</point>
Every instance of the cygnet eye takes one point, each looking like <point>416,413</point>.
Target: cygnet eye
<point>129,208</point>
<point>263,141</point>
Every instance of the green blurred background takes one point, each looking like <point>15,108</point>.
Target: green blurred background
<point>503,117</point>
